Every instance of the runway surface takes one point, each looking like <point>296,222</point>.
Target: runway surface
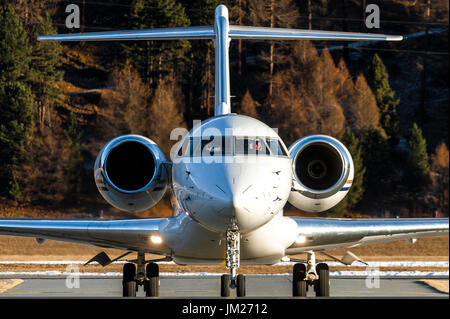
<point>208,286</point>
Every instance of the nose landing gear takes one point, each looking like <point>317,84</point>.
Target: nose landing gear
<point>232,281</point>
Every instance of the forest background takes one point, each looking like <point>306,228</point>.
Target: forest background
<point>59,104</point>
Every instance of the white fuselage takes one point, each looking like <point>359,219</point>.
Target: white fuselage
<point>221,181</point>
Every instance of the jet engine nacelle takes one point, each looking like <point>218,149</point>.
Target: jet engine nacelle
<point>322,173</point>
<point>130,172</point>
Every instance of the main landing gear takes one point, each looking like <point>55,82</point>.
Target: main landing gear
<point>232,281</point>
<point>146,275</point>
<point>311,274</point>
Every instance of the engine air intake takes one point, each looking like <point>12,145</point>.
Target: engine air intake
<point>131,173</point>
<point>322,173</point>
<point>319,166</point>
<point>130,166</point>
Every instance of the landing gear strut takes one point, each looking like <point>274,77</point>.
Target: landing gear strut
<point>311,274</point>
<point>232,281</point>
<point>146,275</point>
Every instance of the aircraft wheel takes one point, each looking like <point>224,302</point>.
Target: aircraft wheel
<point>240,287</point>
<point>152,284</point>
<point>299,285</point>
<point>322,285</point>
<point>225,286</point>
<point>128,280</point>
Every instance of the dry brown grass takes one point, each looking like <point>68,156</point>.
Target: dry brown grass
<point>429,246</point>
<point>20,248</point>
<point>440,285</point>
<point>6,284</point>
<point>26,249</point>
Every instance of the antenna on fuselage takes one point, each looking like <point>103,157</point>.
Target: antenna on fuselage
<point>221,33</point>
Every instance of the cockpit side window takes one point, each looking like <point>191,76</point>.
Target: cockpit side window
<point>276,148</point>
<point>208,146</point>
<point>217,146</point>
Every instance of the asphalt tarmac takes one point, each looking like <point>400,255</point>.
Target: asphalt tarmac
<point>208,286</point>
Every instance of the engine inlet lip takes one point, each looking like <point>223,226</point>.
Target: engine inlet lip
<point>126,139</point>
<point>343,154</point>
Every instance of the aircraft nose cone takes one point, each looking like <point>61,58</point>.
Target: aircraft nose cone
<point>250,206</point>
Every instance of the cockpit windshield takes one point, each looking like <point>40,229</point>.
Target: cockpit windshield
<point>251,146</point>
<point>231,146</point>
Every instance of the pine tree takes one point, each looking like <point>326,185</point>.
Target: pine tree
<point>439,171</point>
<point>305,95</point>
<point>164,115</point>
<point>199,72</point>
<point>156,59</point>
<point>357,100</point>
<point>248,105</point>
<point>356,191</point>
<point>16,127</point>
<point>45,69</point>
<point>376,158</point>
<point>417,167</point>
<point>15,51</point>
<point>378,79</point>
<point>16,102</point>
<point>128,102</point>
<point>74,136</point>
<point>273,13</point>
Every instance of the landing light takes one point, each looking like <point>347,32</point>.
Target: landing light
<point>300,239</point>
<point>156,239</point>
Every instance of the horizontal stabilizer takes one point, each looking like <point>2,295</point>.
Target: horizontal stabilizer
<point>188,33</point>
<point>242,32</point>
<point>208,32</point>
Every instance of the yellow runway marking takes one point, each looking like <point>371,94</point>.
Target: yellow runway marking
<point>6,284</point>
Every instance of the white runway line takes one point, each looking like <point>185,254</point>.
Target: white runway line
<point>384,264</point>
<point>370,269</point>
<point>331,263</point>
<point>203,274</point>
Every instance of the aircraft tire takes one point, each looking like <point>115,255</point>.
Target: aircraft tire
<point>240,287</point>
<point>301,288</point>
<point>299,285</point>
<point>152,284</point>
<point>128,280</point>
<point>225,286</point>
<point>322,285</point>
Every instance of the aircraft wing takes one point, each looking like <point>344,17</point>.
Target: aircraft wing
<point>328,234</point>
<point>128,234</point>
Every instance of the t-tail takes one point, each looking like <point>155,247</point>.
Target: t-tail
<point>221,33</point>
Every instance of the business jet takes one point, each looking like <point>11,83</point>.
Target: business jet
<point>230,177</point>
